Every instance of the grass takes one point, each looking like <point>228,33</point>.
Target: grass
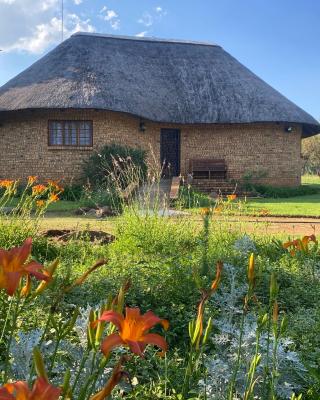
<point>295,206</point>
<point>63,220</point>
<point>308,205</point>
<point>311,180</point>
<point>59,206</point>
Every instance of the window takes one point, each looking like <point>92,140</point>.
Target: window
<point>70,133</point>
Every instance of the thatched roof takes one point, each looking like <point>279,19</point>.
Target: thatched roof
<point>159,80</point>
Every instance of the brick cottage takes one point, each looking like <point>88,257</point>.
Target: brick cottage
<point>187,101</point>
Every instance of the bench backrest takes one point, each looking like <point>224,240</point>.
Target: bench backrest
<point>207,165</point>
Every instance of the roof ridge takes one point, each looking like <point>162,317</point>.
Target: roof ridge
<point>145,39</point>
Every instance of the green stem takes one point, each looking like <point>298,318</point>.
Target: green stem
<point>186,383</point>
<point>274,368</point>
<point>83,361</point>
<point>7,318</point>
<point>248,389</point>
<point>14,325</point>
<point>236,369</point>
<point>84,389</point>
<point>103,364</point>
<point>39,344</point>
<point>265,390</point>
<point>54,355</point>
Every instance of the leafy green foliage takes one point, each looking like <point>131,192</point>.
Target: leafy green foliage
<point>190,198</point>
<point>106,164</point>
<point>285,192</point>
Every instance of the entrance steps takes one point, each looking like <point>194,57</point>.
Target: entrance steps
<point>217,186</point>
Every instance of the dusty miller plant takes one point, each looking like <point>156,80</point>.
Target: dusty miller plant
<point>292,373</point>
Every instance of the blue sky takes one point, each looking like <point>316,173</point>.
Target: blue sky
<point>279,40</point>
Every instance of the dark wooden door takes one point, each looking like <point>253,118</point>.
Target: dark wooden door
<point>170,152</point>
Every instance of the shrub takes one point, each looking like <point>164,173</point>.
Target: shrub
<point>114,161</point>
<point>284,192</point>
<point>72,192</point>
<point>190,198</point>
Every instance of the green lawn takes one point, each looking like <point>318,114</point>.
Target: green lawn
<point>294,206</point>
<point>308,205</point>
<point>311,180</point>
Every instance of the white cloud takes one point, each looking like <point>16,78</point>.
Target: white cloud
<point>146,19</point>
<point>141,34</point>
<point>34,25</point>
<point>160,11</point>
<point>110,16</point>
<point>77,2</point>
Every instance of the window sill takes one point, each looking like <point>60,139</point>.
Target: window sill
<point>71,148</point>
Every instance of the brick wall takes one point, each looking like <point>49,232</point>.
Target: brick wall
<point>264,148</point>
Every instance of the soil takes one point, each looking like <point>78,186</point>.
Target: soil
<point>64,235</point>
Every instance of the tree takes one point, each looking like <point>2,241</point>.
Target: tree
<point>311,155</point>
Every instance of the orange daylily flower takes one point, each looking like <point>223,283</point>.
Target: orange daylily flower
<point>53,198</point>
<point>300,244</point>
<point>32,179</point>
<point>231,197</point>
<point>6,183</point>
<point>42,390</point>
<point>133,331</point>
<point>218,209</point>
<point>13,267</point>
<point>55,185</point>
<point>40,203</point>
<point>38,190</point>
<point>206,211</point>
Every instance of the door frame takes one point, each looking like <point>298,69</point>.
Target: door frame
<point>178,153</point>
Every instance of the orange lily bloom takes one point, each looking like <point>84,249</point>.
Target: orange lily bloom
<point>38,190</point>
<point>13,267</point>
<point>205,211</point>
<point>55,185</point>
<point>133,331</point>
<point>42,390</point>
<point>32,179</point>
<point>300,244</point>
<point>40,203</point>
<point>53,198</point>
<point>231,197</point>
<point>6,183</point>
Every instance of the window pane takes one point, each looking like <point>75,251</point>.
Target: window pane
<point>70,133</point>
<point>55,129</point>
<point>85,138</point>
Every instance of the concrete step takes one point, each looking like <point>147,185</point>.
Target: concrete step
<point>214,185</point>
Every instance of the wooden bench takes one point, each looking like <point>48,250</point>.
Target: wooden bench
<point>207,168</point>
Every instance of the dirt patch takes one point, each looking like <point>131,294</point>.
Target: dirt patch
<point>64,235</point>
<point>281,225</point>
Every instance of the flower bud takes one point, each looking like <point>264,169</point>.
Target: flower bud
<point>251,269</point>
